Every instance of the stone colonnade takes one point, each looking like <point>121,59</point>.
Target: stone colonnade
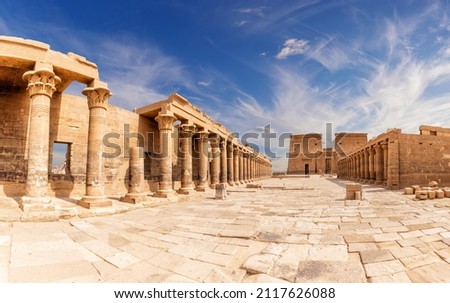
<point>41,84</point>
<point>231,162</point>
<point>367,165</point>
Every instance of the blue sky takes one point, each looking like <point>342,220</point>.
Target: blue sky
<point>363,65</point>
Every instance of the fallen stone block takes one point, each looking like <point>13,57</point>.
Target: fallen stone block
<point>439,194</point>
<point>431,194</point>
<point>409,191</point>
<point>221,192</point>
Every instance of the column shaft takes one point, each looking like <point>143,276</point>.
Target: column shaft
<point>186,132</point>
<point>98,95</point>
<point>203,161</point>
<point>41,85</point>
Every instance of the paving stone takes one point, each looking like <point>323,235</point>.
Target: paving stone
<point>359,238</point>
<point>193,269</point>
<point>387,245</point>
<point>420,260</point>
<point>433,273</point>
<point>357,247</point>
<point>404,252</point>
<point>326,239</point>
<point>260,263</point>
<point>262,278</point>
<point>387,237</point>
<point>410,242</point>
<point>225,275</point>
<point>122,259</point>
<point>53,272</point>
<point>328,253</point>
<point>399,277</point>
<point>431,238</point>
<point>432,231</point>
<point>444,253</point>
<point>411,234</point>
<point>372,256</point>
<point>383,268</point>
<point>237,233</point>
<point>351,271</point>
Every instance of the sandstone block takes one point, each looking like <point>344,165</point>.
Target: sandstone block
<point>221,192</point>
<point>447,193</point>
<point>439,194</point>
<point>409,191</point>
<point>431,194</point>
<point>415,188</point>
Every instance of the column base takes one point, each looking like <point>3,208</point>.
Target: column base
<point>36,204</point>
<point>134,198</point>
<point>186,190</point>
<point>94,202</point>
<point>201,188</point>
<point>231,183</point>
<point>213,186</point>
<point>165,193</point>
<point>379,183</point>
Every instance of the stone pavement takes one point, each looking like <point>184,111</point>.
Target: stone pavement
<point>291,230</point>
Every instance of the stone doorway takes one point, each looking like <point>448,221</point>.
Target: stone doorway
<point>306,169</point>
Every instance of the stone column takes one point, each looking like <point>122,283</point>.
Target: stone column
<point>215,164</point>
<point>366,165</point>
<point>136,177</point>
<point>203,161</point>
<point>97,94</point>
<point>165,121</point>
<point>379,164</point>
<point>223,161</point>
<point>358,175</point>
<point>371,176</point>
<point>230,163</point>
<point>186,132</point>
<point>236,165</point>
<point>41,86</point>
<point>384,146</point>
<point>245,157</point>
<point>241,167</point>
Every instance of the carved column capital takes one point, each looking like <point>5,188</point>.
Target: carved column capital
<point>187,129</point>
<point>97,96</point>
<point>42,80</point>
<point>165,120</point>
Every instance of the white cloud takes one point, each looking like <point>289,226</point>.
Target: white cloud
<point>241,23</point>
<point>204,83</point>
<point>293,47</point>
<point>259,11</point>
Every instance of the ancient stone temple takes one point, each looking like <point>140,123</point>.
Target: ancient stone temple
<point>308,156</point>
<point>166,148</point>
<point>396,160</point>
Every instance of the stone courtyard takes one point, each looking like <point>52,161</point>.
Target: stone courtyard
<point>292,229</point>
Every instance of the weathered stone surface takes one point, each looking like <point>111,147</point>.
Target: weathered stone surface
<point>383,268</point>
<point>260,263</point>
<point>435,272</point>
<point>372,256</point>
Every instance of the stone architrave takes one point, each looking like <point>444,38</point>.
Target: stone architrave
<point>215,161</point>
<point>203,160</point>
<point>42,83</point>
<point>186,132</point>
<point>136,177</point>
<point>165,121</point>
<point>98,95</point>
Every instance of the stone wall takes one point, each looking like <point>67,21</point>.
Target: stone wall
<point>424,158</point>
<point>69,120</point>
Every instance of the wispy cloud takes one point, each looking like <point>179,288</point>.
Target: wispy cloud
<point>258,11</point>
<point>292,47</point>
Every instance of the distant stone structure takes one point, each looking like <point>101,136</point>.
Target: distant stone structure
<point>182,147</point>
<point>397,160</point>
<point>307,155</point>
